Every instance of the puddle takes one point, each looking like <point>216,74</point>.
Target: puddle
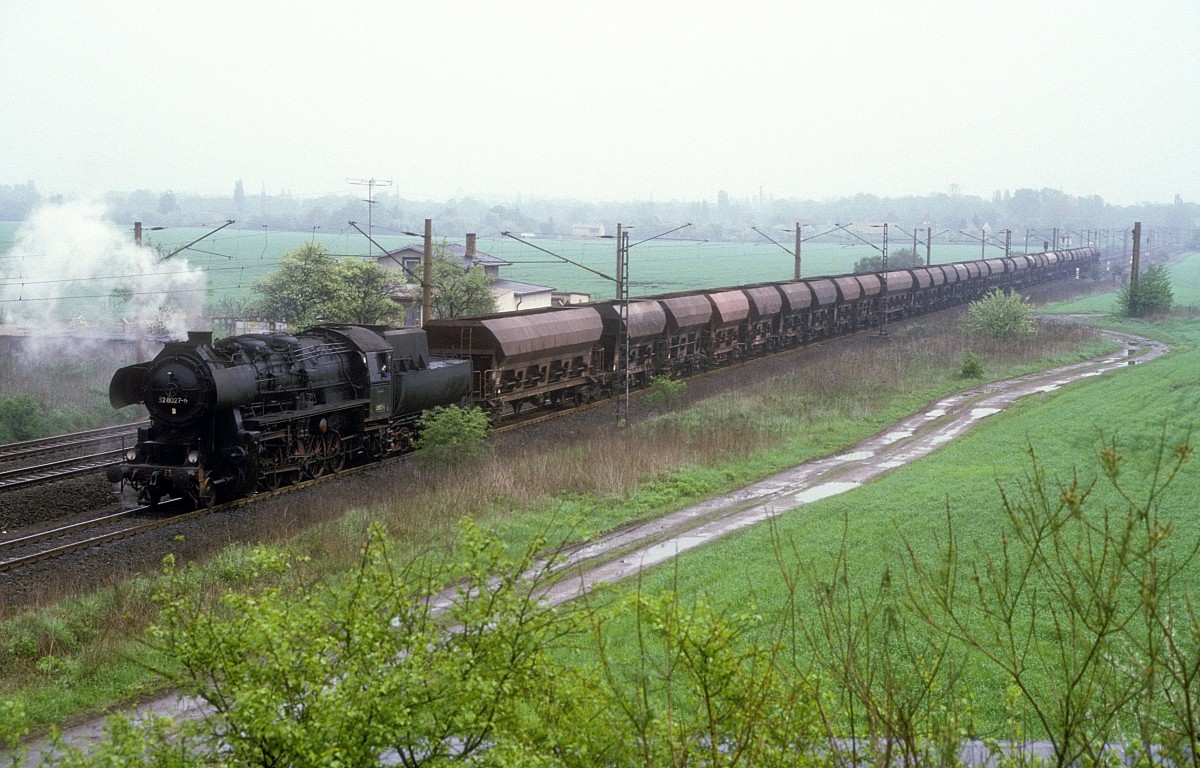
<point>892,437</point>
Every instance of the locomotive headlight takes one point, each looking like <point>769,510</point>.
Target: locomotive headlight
<point>193,457</point>
<point>131,454</point>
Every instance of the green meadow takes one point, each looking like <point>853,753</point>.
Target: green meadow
<point>872,532</point>
<point>235,258</point>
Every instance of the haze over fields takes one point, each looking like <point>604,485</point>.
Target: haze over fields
<point>615,100</point>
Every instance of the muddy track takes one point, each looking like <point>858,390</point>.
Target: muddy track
<point>627,551</point>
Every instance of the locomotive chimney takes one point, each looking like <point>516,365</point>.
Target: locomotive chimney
<point>470,248</point>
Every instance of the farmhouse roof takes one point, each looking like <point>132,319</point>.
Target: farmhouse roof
<point>453,250</point>
<point>521,289</point>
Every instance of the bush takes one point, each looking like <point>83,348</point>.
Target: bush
<point>451,432</point>
<point>1000,314</point>
<point>972,365</point>
<point>21,418</point>
<point>666,392</point>
<point>1151,296</point>
<point>901,258</point>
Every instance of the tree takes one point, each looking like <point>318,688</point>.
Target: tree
<point>345,670</point>
<point>310,286</point>
<point>367,294</point>
<point>305,289</point>
<point>1151,296</point>
<point>901,258</point>
<point>1001,314</point>
<point>167,203</point>
<point>458,292</point>
<point>1082,607</point>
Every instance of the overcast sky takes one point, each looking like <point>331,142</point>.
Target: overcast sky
<point>614,100</point>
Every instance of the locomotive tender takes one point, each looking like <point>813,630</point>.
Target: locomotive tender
<point>252,412</point>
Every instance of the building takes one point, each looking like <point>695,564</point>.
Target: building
<point>510,295</point>
<point>587,230</point>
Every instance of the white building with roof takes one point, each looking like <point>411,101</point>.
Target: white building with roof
<point>510,295</point>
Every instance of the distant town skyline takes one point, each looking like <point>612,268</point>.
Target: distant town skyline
<point>604,101</point>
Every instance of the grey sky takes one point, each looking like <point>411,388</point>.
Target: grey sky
<point>620,99</point>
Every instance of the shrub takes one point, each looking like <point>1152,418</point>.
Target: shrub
<point>901,258</point>
<point>666,392</point>
<point>999,314</point>
<point>452,432</point>
<point>1151,296</point>
<point>21,418</point>
<point>972,365</point>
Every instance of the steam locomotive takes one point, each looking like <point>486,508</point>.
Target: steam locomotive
<point>260,410</point>
<point>255,411</point>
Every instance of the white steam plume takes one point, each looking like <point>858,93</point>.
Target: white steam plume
<point>72,269</point>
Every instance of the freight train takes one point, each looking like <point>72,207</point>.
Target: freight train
<point>252,412</point>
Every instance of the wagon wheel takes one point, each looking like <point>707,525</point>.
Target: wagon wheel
<point>335,455</point>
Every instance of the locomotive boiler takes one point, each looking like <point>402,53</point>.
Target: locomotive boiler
<point>259,410</point>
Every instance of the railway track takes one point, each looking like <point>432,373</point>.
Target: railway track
<point>26,463</point>
<point>29,549</point>
<point>11,452</point>
<point>23,477</point>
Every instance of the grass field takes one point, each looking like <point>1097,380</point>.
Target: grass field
<point>234,259</point>
<point>874,526</point>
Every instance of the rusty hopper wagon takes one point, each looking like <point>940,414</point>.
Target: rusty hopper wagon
<point>535,358</point>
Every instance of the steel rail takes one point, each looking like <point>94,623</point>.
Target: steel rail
<point>9,451</point>
<point>58,470</point>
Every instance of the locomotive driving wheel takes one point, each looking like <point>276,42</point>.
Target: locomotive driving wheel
<point>335,454</point>
<point>206,493</point>
<point>317,457</point>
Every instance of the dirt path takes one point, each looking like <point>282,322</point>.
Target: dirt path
<point>648,544</point>
<point>625,552</point>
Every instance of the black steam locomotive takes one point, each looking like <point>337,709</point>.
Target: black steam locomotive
<point>255,411</point>
<point>259,410</point>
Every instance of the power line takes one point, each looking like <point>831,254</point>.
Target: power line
<point>102,295</point>
<point>19,281</point>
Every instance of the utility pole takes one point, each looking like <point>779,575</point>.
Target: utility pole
<point>620,264</point>
<point>797,272</point>
<point>928,246</point>
<point>623,297</point>
<point>883,293</point>
<point>370,184</point>
<point>427,272</point>
<point>1137,254</point>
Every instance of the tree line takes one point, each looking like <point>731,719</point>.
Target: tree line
<point>727,217</point>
